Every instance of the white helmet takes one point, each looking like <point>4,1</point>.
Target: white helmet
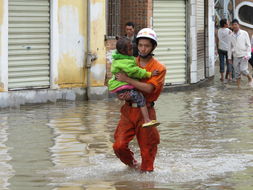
<point>147,33</point>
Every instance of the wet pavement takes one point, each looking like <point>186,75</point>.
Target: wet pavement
<point>206,143</point>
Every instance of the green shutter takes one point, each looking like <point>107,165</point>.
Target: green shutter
<point>29,44</point>
<point>169,22</point>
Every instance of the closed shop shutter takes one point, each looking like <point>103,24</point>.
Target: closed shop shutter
<point>29,47</point>
<point>169,22</point>
<point>200,39</point>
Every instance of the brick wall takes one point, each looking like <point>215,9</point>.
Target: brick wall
<point>249,30</point>
<point>137,11</point>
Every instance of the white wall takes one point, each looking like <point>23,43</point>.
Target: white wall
<point>210,41</point>
<point>54,54</point>
<point>210,61</point>
<point>192,41</point>
<point>4,47</point>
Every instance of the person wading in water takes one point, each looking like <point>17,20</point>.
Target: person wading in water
<point>131,120</point>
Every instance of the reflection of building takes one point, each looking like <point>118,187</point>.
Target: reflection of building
<point>29,139</point>
<point>6,170</point>
<point>79,135</point>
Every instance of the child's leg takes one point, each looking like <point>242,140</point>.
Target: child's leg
<point>144,112</point>
<point>138,98</point>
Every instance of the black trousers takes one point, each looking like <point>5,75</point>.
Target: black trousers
<point>251,59</point>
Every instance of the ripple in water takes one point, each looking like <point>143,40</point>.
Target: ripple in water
<point>174,167</point>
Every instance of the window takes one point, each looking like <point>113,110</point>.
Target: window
<point>244,14</point>
<point>113,18</point>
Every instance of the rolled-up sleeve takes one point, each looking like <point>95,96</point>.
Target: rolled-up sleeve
<point>158,81</point>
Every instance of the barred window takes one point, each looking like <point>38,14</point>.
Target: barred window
<point>113,18</point>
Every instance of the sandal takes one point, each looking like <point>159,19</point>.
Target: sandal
<point>152,123</point>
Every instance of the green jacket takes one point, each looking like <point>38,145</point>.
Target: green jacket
<point>126,64</point>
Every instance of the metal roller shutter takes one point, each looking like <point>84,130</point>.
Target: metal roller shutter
<point>169,22</point>
<point>29,44</point>
<point>200,39</point>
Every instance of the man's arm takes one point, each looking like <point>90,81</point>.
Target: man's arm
<point>145,87</point>
<point>248,45</point>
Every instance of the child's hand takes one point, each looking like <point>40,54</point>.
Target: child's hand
<point>155,73</point>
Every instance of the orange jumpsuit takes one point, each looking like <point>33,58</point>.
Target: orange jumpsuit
<point>131,121</point>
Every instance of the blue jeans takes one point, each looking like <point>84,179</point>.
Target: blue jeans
<point>223,56</point>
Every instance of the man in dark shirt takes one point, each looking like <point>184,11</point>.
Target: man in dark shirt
<point>129,29</point>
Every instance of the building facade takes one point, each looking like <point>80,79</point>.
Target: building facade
<point>243,12</point>
<point>185,30</point>
<point>60,49</point>
<point>44,44</point>
<point>239,9</point>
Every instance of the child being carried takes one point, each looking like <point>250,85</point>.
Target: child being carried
<point>124,61</point>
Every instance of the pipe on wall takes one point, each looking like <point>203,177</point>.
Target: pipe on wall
<point>88,61</point>
<point>90,57</point>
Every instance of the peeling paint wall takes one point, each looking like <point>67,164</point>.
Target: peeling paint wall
<point>1,11</point>
<point>98,30</point>
<point>1,22</point>
<point>210,61</point>
<point>68,43</point>
<point>72,27</point>
<point>3,45</point>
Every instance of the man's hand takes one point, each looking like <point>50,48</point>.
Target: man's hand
<point>230,61</point>
<point>122,77</point>
<point>155,73</point>
<point>124,96</point>
<point>246,58</point>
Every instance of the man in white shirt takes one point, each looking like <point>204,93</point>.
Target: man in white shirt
<point>223,37</point>
<point>240,47</point>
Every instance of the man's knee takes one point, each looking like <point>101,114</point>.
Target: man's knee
<point>119,146</point>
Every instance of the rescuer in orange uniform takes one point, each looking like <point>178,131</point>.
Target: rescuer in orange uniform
<point>131,119</point>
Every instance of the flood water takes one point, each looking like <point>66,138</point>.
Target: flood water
<point>206,143</point>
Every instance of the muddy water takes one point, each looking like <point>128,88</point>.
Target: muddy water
<point>206,143</point>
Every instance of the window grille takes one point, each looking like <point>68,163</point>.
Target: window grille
<point>113,18</point>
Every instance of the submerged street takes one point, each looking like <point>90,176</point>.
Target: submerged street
<point>206,143</point>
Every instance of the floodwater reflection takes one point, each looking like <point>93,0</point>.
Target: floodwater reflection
<point>6,170</point>
<point>206,143</point>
